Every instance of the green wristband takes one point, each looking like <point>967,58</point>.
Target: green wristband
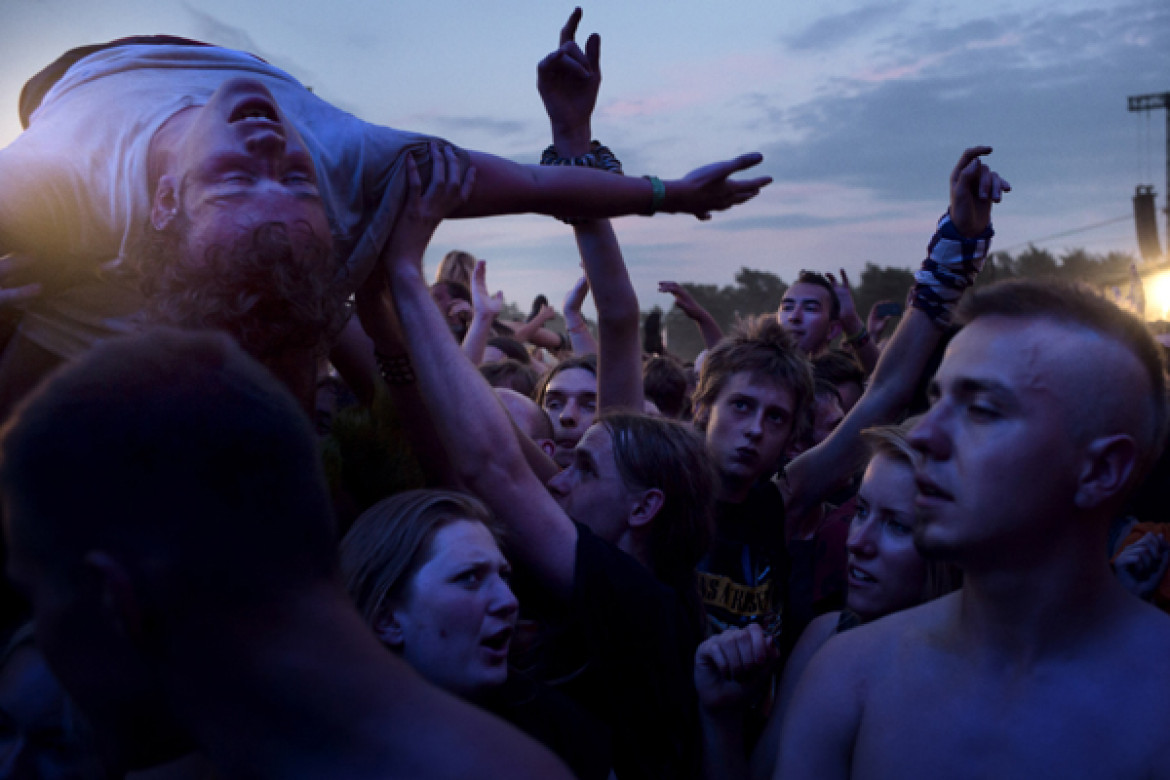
<point>659,193</point>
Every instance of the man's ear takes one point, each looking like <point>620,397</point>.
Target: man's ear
<point>113,591</point>
<point>389,629</point>
<point>1109,463</point>
<point>547,446</point>
<point>646,507</point>
<point>166,202</point>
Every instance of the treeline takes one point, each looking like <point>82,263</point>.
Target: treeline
<point>757,292</point>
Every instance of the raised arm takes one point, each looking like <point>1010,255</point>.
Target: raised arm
<point>485,308</point>
<point>579,336</point>
<point>568,80</point>
<point>468,419</point>
<point>506,187</point>
<point>619,352</point>
<point>857,335</point>
<point>956,255</point>
<point>708,327</point>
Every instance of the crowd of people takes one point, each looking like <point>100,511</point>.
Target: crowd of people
<point>278,503</point>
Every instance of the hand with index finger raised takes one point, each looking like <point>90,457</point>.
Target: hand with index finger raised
<point>974,188</point>
<point>568,80</point>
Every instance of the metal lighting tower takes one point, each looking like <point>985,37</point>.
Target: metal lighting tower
<point>1152,103</point>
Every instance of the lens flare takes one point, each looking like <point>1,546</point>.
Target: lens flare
<point>1158,296</point>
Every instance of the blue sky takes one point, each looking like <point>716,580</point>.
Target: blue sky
<point>860,108</point>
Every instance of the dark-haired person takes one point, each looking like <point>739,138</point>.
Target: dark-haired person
<point>817,308</point>
<point>752,399</point>
<point>210,146</point>
<point>844,372</point>
<point>568,392</point>
<point>185,589</point>
<point>811,312</point>
<point>664,381</point>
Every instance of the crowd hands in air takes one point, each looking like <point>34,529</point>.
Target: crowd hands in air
<point>780,561</point>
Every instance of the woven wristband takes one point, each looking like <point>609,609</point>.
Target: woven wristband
<point>599,157</point>
<point>951,265</point>
<point>395,369</point>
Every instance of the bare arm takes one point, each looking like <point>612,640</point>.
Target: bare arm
<point>763,760</point>
<point>383,335</point>
<point>568,80</point>
<point>505,187</point>
<point>579,335</point>
<point>818,736</point>
<point>534,331</point>
<point>353,357</point>
<point>813,474</point>
<point>486,307</point>
<point>708,327</point>
<point>863,347</point>
<point>469,420</point>
<point>619,356</point>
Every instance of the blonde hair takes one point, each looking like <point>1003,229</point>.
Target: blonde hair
<point>456,266</point>
<point>891,441</point>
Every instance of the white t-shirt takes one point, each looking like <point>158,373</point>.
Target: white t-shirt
<point>74,189</point>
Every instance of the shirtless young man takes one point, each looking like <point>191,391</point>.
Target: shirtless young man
<point>1047,409</point>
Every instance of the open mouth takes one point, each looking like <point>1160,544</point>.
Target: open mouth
<point>498,642</point>
<point>860,575</point>
<point>254,109</point>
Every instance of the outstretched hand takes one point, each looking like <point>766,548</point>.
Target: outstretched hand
<point>576,295</point>
<point>545,314</point>
<point>844,295</point>
<point>568,79</point>
<point>974,187</point>
<point>711,187</point>
<point>683,300</point>
<point>485,304</point>
<point>450,187</point>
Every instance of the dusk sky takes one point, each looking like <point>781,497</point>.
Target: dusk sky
<point>860,110</point>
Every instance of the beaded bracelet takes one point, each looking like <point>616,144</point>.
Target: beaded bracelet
<point>395,369</point>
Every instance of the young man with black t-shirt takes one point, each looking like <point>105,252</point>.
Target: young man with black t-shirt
<point>753,394</point>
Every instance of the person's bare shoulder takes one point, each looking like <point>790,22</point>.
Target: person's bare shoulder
<point>1139,673</point>
<point>831,698</point>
